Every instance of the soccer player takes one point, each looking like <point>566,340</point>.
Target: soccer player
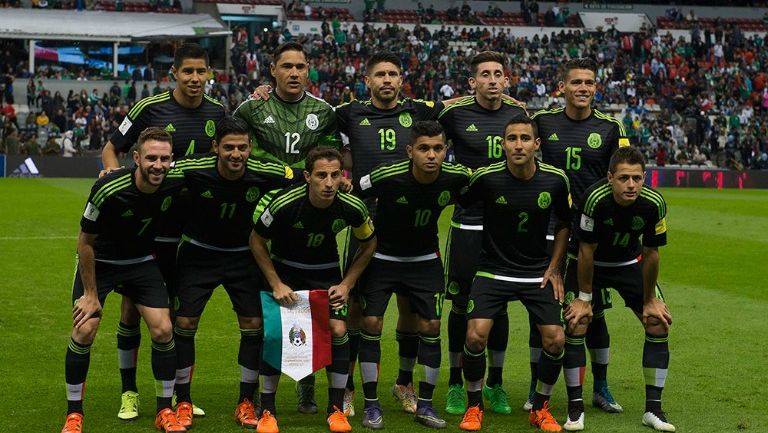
<point>302,223</point>
<point>190,117</point>
<point>114,252</point>
<point>410,195</point>
<point>614,214</point>
<point>473,124</point>
<point>580,141</point>
<point>223,189</point>
<point>519,196</point>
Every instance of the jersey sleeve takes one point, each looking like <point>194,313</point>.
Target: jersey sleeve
<point>428,110</point>
<point>474,192</point>
<point>263,215</point>
<point>359,220</point>
<point>90,222</point>
<point>588,225</point>
<point>655,235</point>
<point>371,184</point>
<point>330,134</point>
<point>128,132</point>
<point>342,117</point>
<point>563,202</point>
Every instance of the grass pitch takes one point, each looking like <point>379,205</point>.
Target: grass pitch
<point>712,273</point>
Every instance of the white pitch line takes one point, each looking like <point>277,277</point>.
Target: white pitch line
<point>34,238</point>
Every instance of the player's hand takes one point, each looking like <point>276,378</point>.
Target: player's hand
<point>337,296</point>
<point>106,171</point>
<point>284,295</point>
<point>576,312</point>
<point>346,185</point>
<point>656,312</point>
<point>553,276</point>
<point>518,102</point>
<point>261,92</point>
<point>85,308</point>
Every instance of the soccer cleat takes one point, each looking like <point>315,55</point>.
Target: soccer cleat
<point>129,405</point>
<point>575,421</point>
<point>406,396</point>
<point>604,400</point>
<point>184,414</point>
<point>456,400</point>
<point>196,411</point>
<point>543,419</point>
<point>167,422</point>
<point>528,405</point>
<point>373,418</point>
<point>473,419</point>
<point>428,417</point>
<point>349,402</point>
<point>337,422</point>
<point>305,396</point>
<point>497,398</point>
<point>245,414</point>
<point>267,423</point>
<point>73,424</point>
<point>657,421</point>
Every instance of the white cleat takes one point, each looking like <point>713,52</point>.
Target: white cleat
<point>657,421</point>
<point>574,424</point>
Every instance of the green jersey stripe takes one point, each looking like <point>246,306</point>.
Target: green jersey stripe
<point>595,197</point>
<point>289,197</point>
<point>147,101</point>
<point>113,188</point>
<point>109,185</point>
<point>215,101</point>
<point>610,118</point>
<point>354,202</point>
<point>467,100</point>
<point>545,111</point>
<point>656,199</point>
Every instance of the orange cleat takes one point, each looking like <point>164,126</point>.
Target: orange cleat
<point>245,415</point>
<point>73,424</point>
<point>473,419</point>
<point>167,422</point>
<point>267,423</point>
<point>184,413</point>
<point>337,422</point>
<point>543,420</point>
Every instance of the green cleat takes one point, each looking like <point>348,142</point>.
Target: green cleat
<point>456,400</point>
<point>129,405</point>
<point>497,398</point>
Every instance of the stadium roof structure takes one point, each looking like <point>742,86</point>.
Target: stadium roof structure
<point>105,26</point>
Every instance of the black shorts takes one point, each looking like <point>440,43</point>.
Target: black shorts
<point>420,282</point>
<point>488,299</point>
<point>315,279</point>
<point>601,295</point>
<point>140,282</point>
<point>462,257</point>
<point>201,270</point>
<point>165,253</point>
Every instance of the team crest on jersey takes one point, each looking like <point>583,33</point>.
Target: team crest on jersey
<point>338,225</point>
<point>453,288</point>
<point>544,200</point>
<point>444,198</point>
<point>297,336</point>
<point>210,128</point>
<point>166,203</point>
<point>594,140</point>
<point>637,223</point>
<point>312,121</point>
<point>252,194</point>
<point>470,306</point>
<point>405,119</point>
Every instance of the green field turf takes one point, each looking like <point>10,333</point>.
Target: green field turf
<point>713,274</point>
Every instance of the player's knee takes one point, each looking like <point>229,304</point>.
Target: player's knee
<point>476,341</point>
<point>579,329</point>
<point>429,327</point>
<point>86,333</point>
<point>247,322</point>
<point>654,326</point>
<point>187,322</point>
<point>553,341</point>
<point>161,332</point>
<point>338,328</point>
<point>373,324</point>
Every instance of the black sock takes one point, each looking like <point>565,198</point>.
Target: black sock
<point>76,364</point>
<point>457,333</point>
<point>249,358</point>
<point>128,341</point>
<point>429,359</point>
<point>574,363</point>
<point>655,366</point>
<point>408,349</point>
<point>474,368</point>
<point>370,357</point>
<point>164,371</point>
<point>268,373</point>
<point>337,372</point>
<point>535,348</point>
<point>497,347</point>
<point>549,368</point>
<point>598,342</point>
<point>354,349</point>
<point>185,362</point>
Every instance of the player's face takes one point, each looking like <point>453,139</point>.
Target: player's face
<point>520,144</point>
<point>233,151</point>
<point>489,82</point>
<point>384,80</point>
<point>153,159</point>
<point>427,153</point>
<point>191,76</point>
<point>579,88</point>
<point>324,181</point>
<point>626,182</point>
<point>290,71</point>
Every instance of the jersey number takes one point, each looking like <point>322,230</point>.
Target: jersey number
<point>146,222</point>
<point>439,299</point>
<point>315,239</point>
<point>572,158</point>
<point>422,217</point>
<point>521,225</point>
<point>291,140</point>
<point>388,139</point>
<point>494,146</point>
<point>224,207</point>
<point>620,239</point>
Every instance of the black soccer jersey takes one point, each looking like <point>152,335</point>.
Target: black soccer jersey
<point>617,229</point>
<point>517,214</point>
<point>378,136</point>
<point>221,210</point>
<point>124,218</point>
<point>581,148</point>
<point>408,211</point>
<point>476,135</point>
<point>192,129</point>
<point>305,235</point>
<point>286,131</point>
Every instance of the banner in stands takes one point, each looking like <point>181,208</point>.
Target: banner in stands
<point>705,178</point>
<point>54,166</point>
<point>605,20</point>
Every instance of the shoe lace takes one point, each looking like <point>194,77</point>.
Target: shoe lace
<point>184,410</point>
<point>409,394</point>
<point>454,395</point>
<point>499,395</point>
<point>131,401</point>
<point>372,412</point>
<point>305,392</point>
<point>169,420</point>
<point>472,414</point>
<point>606,393</point>
<point>267,418</point>
<point>247,410</point>
<point>72,423</point>
<point>544,417</point>
<point>337,416</point>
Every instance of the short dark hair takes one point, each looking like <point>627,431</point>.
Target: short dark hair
<point>521,119</point>
<point>425,128</point>
<point>231,125</point>
<point>154,133</point>
<point>487,56</point>
<point>288,46</point>
<point>382,57</point>
<point>626,155</point>
<point>582,63</point>
<point>189,50</point>
<point>322,152</point>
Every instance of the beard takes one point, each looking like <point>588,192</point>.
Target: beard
<point>146,175</point>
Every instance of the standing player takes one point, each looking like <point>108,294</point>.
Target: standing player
<point>190,117</point>
<point>473,124</point>
<point>410,194</point>
<point>580,141</point>
<point>224,189</point>
<point>114,252</point>
<point>302,223</point>
<point>614,214</point>
<point>519,196</point>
